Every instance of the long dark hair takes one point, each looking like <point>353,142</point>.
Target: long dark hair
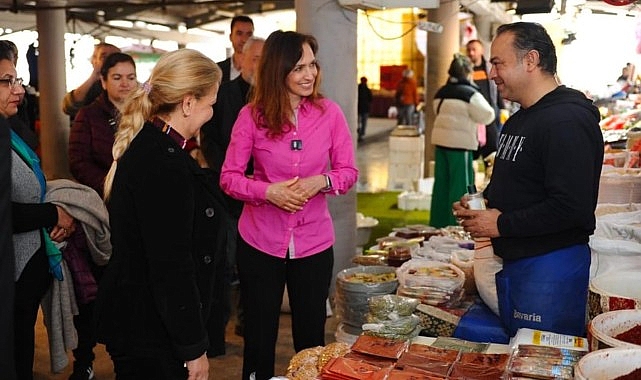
<point>271,102</point>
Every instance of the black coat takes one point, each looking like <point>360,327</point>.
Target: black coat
<point>225,67</point>
<point>216,133</point>
<point>168,230</point>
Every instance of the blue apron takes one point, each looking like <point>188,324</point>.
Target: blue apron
<point>547,292</point>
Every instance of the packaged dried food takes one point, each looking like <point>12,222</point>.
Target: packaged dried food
<point>383,306</point>
<point>399,328</point>
<point>489,360</point>
<point>460,344</point>
<point>406,233</point>
<point>346,368</point>
<point>370,259</point>
<point>398,254</point>
<point>411,374</point>
<point>330,351</point>
<point>432,366</point>
<point>302,365</point>
<point>433,282</point>
<point>387,241</point>
<point>432,352</point>
<point>463,371</point>
<point>531,350</point>
<point>539,369</point>
<point>371,359</point>
<point>377,346</point>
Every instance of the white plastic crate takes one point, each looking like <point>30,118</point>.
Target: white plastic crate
<point>412,200</point>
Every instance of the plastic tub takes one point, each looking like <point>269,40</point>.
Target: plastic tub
<point>614,291</point>
<point>604,327</point>
<point>608,364</point>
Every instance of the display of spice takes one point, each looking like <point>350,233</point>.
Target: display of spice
<point>433,352</point>
<point>396,374</point>
<point>490,360</point>
<point>373,345</point>
<point>371,359</point>
<point>459,344</point>
<point>344,368</point>
<point>431,365</point>
<point>539,368</point>
<point>544,362</point>
<point>363,277</point>
<point>632,335</point>
<point>462,371</point>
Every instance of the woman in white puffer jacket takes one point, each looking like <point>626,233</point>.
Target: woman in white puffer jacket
<point>459,108</point>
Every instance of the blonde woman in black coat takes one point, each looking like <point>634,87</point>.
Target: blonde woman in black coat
<point>167,224</point>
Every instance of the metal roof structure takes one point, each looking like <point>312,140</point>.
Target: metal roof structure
<point>170,17</point>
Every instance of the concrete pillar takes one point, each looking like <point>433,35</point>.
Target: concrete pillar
<point>484,30</point>
<point>335,29</point>
<point>54,124</point>
<point>440,50</point>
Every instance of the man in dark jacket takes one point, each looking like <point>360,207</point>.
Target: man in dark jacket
<point>544,188</point>
<point>242,28</point>
<point>364,105</point>
<point>481,77</point>
<point>215,136</point>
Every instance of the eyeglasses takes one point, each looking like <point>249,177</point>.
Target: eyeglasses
<point>12,82</point>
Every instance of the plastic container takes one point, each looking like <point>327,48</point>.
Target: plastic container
<point>351,298</point>
<point>608,364</point>
<point>604,327</point>
<point>364,227</point>
<point>614,291</point>
<point>346,333</point>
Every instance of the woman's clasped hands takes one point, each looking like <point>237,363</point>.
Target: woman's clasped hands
<point>291,195</point>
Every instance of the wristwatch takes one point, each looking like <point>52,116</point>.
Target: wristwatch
<point>328,183</point>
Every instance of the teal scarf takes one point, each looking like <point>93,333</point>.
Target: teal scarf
<point>29,156</point>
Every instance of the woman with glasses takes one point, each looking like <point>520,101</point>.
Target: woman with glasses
<point>36,225</point>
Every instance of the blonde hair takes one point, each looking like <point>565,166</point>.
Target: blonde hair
<point>176,74</point>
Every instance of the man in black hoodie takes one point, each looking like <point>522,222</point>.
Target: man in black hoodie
<point>544,188</point>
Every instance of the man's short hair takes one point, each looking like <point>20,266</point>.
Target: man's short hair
<point>532,36</point>
<point>241,18</point>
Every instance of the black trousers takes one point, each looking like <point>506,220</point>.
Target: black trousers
<point>84,323</point>
<point>32,285</point>
<point>262,282</point>
<point>129,367</point>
